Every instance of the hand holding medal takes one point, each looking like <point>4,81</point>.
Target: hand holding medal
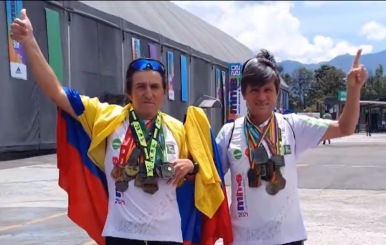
<point>181,167</point>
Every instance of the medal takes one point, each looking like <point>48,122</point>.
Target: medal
<point>139,181</point>
<point>272,188</point>
<point>260,156</point>
<point>131,170</point>
<point>281,182</point>
<point>167,171</point>
<point>157,169</point>
<point>270,169</point>
<point>116,173</point>
<point>121,186</point>
<point>253,178</point>
<point>263,171</point>
<point>150,185</point>
<point>133,159</point>
<point>125,177</point>
<point>278,160</point>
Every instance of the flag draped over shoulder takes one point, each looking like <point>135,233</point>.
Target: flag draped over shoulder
<point>210,194</point>
<point>80,158</point>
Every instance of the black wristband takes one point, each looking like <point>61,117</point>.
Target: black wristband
<point>195,169</point>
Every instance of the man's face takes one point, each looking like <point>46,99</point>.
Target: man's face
<point>146,93</point>
<point>261,100</point>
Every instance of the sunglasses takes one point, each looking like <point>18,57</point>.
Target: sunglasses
<point>145,64</point>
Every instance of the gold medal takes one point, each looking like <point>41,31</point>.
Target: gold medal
<point>127,178</point>
<point>131,171</point>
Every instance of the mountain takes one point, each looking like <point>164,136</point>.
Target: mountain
<point>344,62</point>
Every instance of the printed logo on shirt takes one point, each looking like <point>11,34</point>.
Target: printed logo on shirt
<point>170,149</point>
<point>115,160</point>
<point>116,143</point>
<point>118,198</point>
<point>237,154</point>
<point>287,149</point>
<point>240,197</point>
<point>246,152</point>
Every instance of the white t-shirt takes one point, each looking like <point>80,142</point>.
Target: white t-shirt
<point>135,214</point>
<point>257,217</point>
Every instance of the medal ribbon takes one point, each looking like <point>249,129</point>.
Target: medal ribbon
<point>148,148</point>
<point>255,136</point>
<point>127,146</point>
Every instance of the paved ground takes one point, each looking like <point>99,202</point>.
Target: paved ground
<point>342,187</point>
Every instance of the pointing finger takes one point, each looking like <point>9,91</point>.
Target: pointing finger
<point>355,63</point>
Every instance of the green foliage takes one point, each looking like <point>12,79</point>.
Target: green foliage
<point>310,88</point>
<point>328,80</point>
<point>375,87</point>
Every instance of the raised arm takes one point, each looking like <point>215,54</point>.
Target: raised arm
<point>22,32</point>
<point>347,122</point>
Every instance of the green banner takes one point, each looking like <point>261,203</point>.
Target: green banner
<point>342,95</point>
<point>55,56</point>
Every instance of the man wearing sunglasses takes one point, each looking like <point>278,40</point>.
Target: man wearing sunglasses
<point>135,154</point>
<point>261,149</point>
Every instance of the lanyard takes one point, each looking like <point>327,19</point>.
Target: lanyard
<point>126,146</point>
<point>269,134</point>
<point>148,147</point>
<point>161,150</point>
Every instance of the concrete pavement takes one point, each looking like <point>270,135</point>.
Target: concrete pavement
<point>342,189</point>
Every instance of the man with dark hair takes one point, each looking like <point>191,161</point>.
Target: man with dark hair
<point>124,168</point>
<point>261,149</point>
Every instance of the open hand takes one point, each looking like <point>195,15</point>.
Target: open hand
<point>181,167</point>
<point>357,76</point>
<point>21,29</point>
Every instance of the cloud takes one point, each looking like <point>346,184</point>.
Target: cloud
<point>373,31</point>
<point>269,25</point>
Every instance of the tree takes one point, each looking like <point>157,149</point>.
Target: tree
<point>327,82</point>
<point>375,86</point>
<point>301,79</point>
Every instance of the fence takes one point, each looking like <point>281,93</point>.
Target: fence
<point>89,51</point>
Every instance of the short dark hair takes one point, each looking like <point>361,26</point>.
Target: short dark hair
<point>130,73</point>
<point>260,70</point>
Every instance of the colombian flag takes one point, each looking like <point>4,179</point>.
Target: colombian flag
<point>86,186</point>
<point>219,225</point>
<point>83,181</point>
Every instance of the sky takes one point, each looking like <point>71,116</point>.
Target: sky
<point>308,32</point>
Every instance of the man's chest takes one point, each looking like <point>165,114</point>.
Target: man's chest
<point>240,151</point>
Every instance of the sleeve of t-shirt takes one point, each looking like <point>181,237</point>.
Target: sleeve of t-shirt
<point>222,141</point>
<point>308,131</point>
